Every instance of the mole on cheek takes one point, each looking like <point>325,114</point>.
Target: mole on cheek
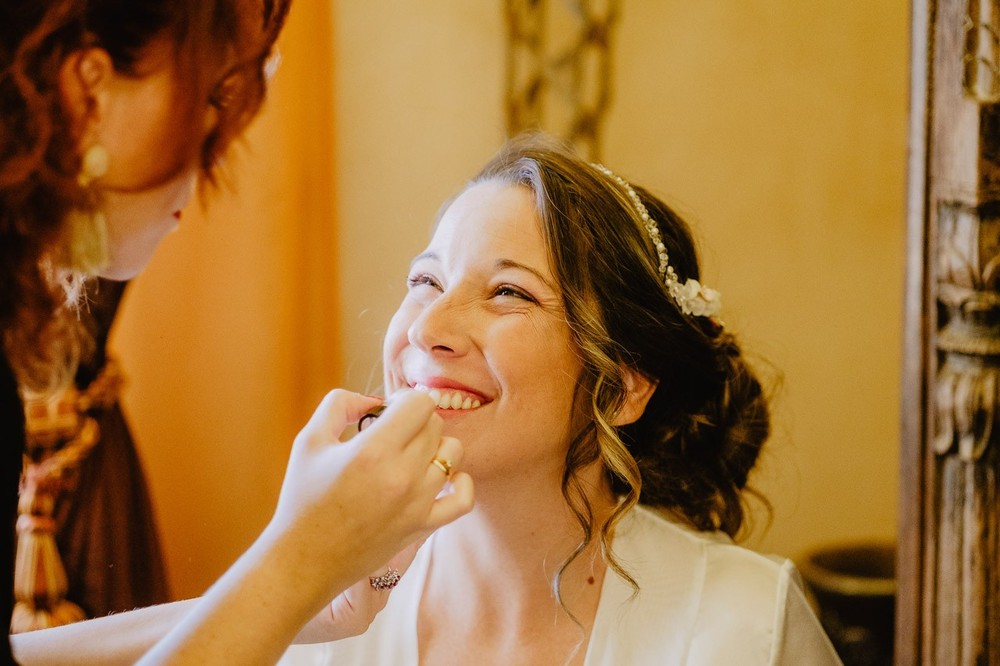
<point>591,580</point>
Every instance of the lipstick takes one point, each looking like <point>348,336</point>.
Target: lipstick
<point>365,420</point>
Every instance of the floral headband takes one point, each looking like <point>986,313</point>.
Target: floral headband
<point>692,297</point>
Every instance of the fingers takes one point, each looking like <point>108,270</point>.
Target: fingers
<point>447,459</point>
<point>338,409</point>
<point>405,417</point>
<point>458,498</point>
<point>407,425</point>
<point>455,504</point>
<point>402,452</point>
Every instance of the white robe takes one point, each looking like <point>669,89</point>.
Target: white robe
<point>702,600</point>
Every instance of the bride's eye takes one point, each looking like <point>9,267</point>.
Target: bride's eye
<point>422,279</point>
<point>515,292</point>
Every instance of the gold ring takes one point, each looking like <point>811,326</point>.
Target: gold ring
<point>444,465</point>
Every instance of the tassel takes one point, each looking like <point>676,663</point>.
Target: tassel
<point>40,582</point>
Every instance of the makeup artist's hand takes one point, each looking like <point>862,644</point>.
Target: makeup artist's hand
<point>347,508</point>
<point>353,611</point>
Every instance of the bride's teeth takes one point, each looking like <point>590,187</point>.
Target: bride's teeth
<point>447,400</point>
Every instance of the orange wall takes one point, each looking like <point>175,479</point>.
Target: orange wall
<point>780,129</point>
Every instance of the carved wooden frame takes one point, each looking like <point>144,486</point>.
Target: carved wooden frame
<point>948,599</point>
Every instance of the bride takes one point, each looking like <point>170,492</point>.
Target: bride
<point>609,422</point>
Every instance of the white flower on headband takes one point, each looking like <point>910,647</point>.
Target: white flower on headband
<point>692,297</point>
<point>698,300</point>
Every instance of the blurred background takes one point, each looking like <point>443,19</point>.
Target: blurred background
<point>777,127</point>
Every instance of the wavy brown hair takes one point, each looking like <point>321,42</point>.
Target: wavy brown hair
<point>39,156</point>
<point>692,449</point>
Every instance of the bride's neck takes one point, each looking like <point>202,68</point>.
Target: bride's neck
<point>517,539</point>
<point>490,586</point>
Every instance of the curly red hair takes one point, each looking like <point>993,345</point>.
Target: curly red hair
<point>39,156</point>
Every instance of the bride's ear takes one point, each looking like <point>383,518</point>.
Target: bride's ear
<point>640,389</point>
<point>84,83</point>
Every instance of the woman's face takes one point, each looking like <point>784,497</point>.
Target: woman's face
<point>483,328</point>
<point>153,126</point>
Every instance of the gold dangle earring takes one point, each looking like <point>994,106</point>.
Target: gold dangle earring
<point>87,229</point>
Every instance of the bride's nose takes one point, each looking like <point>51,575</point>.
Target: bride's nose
<point>442,327</point>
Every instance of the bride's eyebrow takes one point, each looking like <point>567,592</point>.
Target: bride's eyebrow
<point>508,263</point>
<point>499,265</point>
<point>424,255</point>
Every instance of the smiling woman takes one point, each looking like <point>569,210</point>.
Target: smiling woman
<point>484,290</point>
<point>616,427</point>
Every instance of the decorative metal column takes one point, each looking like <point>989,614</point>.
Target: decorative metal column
<point>559,68</point>
<point>949,566</point>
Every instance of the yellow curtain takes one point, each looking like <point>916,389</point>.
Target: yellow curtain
<point>230,337</point>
